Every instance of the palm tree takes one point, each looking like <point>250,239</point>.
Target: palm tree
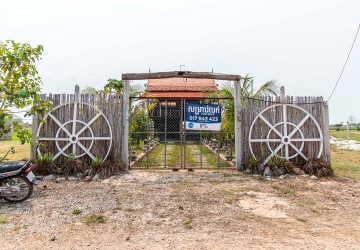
<point>226,91</point>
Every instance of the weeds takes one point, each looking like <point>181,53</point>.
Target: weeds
<point>3,220</point>
<point>93,219</point>
<point>46,158</point>
<point>77,211</point>
<point>188,223</point>
<point>252,164</point>
<point>289,190</point>
<point>97,162</point>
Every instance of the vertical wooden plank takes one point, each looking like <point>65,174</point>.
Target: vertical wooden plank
<point>238,127</point>
<point>126,107</point>
<point>326,131</point>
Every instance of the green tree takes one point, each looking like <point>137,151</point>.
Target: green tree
<point>226,90</point>
<point>139,114</point>
<point>117,87</point>
<point>138,125</point>
<point>20,86</point>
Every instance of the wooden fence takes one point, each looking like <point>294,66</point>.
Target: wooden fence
<point>266,128</point>
<point>109,105</point>
<point>307,137</point>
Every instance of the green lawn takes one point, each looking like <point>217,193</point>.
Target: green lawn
<point>346,163</point>
<point>354,134</point>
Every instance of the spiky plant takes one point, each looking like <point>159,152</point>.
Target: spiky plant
<point>44,164</point>
<point>280,166</point>
<point>252,164</point>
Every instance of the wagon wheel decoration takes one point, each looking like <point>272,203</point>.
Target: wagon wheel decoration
<point>75,135</point>
<point>285,138</point>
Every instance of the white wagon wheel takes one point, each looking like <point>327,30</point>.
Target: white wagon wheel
<point>74,137</point>
<point>285,134</point>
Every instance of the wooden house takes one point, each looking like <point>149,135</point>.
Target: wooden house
<point>170,96</point>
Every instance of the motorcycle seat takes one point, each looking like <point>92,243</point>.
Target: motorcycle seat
<point>11,166</point>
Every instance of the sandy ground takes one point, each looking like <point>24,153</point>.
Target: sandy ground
<point>187,210</point>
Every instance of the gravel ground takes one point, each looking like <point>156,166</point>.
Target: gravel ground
<point>186,210</point>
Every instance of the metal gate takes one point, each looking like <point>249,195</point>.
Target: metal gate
<point>158,138</point>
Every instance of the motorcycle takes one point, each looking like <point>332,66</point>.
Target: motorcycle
<point>16,180</point>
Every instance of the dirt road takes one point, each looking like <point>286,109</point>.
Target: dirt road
<point>186,210</point>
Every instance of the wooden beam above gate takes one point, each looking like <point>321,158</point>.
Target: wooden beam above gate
<point>183,74</point>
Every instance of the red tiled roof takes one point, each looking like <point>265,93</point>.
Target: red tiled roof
<point>181,84</point>
<point>177,94</point>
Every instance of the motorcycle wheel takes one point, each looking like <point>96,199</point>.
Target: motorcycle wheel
<point>26,188</point>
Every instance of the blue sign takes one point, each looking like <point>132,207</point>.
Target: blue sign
<point>203,116</point>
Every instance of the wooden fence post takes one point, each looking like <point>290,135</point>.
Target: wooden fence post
<point>34,128</point>
<point>326,131</point>
<point>238,129</point>
<point>125,140</point>
<point>282,94</point>
<point>77,93</point>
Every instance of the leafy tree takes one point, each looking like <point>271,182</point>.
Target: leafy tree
<point>114,86</point>
<point>270,88</point>
<point>117,87</point>
<point>138,124</point>
<point>20,86</point>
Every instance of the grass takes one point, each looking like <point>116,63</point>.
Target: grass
<point>188,223</point>
<point>139,149</point>
<point>21,151</point>
<point>3,220</point>
<point>155,158</point>
<point>173,155</point>
<point>77,211</point>
<point>289,190</point>
<point>190,156</point>
<point>93,219</point>
<point>346,163</point>
<point>354,134</point>
<point>213,158</point>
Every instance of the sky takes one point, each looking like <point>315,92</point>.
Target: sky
<point>301,44</point>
